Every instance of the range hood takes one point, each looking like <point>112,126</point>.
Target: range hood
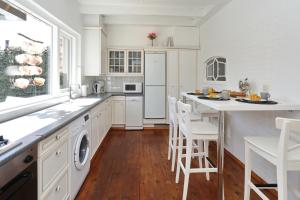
<point>9,12</point>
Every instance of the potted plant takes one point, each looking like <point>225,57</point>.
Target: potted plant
<point>152,36</point>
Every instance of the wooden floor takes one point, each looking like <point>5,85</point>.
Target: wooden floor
<point>133,165</point>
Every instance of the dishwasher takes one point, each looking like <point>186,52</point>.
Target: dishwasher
<point>134,113</point>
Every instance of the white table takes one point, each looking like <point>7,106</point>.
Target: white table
<point>232,105</point>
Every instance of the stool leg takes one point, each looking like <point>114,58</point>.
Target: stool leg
<point>248,167</point>
<point>206,150</point>
<point>175,134</point>
<point>179,156</point>
<point>170,140</point>
<point>189,147</point>
<point>282,181</point>
<point>200,149</point>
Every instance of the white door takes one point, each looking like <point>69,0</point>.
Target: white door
<point>155,102</point>
<point>187,70</point>
<point>155,68</point>
<point>82,150</point>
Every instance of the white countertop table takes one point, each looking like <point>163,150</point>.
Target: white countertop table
<point>233,105</point>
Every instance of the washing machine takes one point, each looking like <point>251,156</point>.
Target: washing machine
<point>80,152</point>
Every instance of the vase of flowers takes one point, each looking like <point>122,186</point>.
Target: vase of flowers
<point>152,36</point>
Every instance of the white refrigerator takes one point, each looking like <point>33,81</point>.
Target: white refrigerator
<point>155,85</point>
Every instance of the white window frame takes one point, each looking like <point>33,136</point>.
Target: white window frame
<point>55,95</point>
<point>206,70</point>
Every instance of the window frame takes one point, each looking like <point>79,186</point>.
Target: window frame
<point>55,94</point>
<point>215,59</point>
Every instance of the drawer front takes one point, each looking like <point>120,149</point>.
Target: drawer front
<point>59,190</point>
<point>52,140</point>
<point>53,162</point>
<point>118,98</point>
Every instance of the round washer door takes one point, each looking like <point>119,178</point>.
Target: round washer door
<point>82,150</point>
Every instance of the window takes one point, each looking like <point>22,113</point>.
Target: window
<point>38,59</point>
<point>25,46</point>
<point>65,62</point>
<point>216,69</point>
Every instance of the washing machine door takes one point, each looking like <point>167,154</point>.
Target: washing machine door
<point>82,150</point>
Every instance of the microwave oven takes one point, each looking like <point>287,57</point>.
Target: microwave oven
<point>132,87</point>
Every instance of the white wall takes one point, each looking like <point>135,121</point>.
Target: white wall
<point>260,39</point>
<point>136,35</point>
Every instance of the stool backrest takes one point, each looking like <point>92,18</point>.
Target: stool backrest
<point>172,110</point>
<point>184,118</point>
<point>288,128</point>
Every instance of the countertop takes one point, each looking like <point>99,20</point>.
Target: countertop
<point>34,127</point>
<point>232,105</point>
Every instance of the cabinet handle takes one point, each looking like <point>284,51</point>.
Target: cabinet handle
<point>58,153</point>
<point>57,189</point>
<point>58,137</point>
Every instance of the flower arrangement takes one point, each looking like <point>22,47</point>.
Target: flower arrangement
<point>152,36</point>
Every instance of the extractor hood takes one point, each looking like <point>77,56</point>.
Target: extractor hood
<point>9,12</point>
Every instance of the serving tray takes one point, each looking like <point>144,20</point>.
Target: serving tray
<point>213,99</point>
<point>193,93</point>
<point>257,102</point>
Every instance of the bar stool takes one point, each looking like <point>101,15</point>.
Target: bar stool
<point>201,130</point>
<point>173,132</point>
<point>280,151</point>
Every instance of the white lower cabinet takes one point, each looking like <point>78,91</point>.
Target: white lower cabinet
<point>53,166</point>
<point>118,110</point>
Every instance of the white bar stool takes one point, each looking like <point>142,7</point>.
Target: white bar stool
<point>173,132</point>
<point>280,151</point>
<point>200,130</point>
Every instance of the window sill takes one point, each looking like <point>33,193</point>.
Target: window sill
<point>9,112</point>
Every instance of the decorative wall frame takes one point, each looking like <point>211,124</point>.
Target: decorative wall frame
<point>215,68</point>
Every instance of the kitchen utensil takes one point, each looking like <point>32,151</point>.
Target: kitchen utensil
<point>257,102</point>
<point>205,91</point>
<point>265,95</point>
<point>225,94</point>
<point>97,88</point>
<point>84,90</point>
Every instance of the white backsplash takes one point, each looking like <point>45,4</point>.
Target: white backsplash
<point>115,83</point>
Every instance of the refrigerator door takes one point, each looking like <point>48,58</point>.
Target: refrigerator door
<point>155,102</point>
<point>155,68</point>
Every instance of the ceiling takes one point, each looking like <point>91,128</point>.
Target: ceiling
<point>196,10</point>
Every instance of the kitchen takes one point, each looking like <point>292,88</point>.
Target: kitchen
<point>84,101</point>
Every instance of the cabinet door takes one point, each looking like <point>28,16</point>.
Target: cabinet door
<point>118,112</point>
<point>92,52</point>
<point>95,133</point>
<point>116,61</point>
<point>187,70</point>
<point>108,116</point>
<point>135,61</point>
<point>101,123</point>
<point>172,72</point>
<point>103,53</point>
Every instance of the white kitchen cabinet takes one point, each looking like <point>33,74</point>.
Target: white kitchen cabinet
<point>118,110</point>
<point>94,51</point>
<point>53,166</point>
<point>172,72</point>
<point>187,70</point>
<point>108,115</point>
<point>95,140</point>
<point>125,62</point>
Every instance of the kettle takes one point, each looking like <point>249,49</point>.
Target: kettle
<point>96,88</point>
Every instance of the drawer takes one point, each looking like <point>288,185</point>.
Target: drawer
<point>52,163</point>
<point>118,98</point>
<point>60,189</point>
<point>52,140</point>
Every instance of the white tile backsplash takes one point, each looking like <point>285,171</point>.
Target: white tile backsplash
<point>115,83</point>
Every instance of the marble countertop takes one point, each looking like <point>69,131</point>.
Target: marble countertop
<point>32,128</point>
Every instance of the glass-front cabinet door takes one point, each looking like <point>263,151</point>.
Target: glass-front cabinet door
<point>135,61</point>
<point>116,61</point>
<point>125,62</point>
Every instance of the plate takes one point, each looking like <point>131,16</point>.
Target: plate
<point>193,93</point>
<point>264,102</point>
<point>213,98</point>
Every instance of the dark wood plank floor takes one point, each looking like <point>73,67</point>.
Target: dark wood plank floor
<point>133,165</point>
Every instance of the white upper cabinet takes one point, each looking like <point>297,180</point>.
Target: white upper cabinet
<point>187,70</point>
<point>94,51</point>
<point>125,62</point>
